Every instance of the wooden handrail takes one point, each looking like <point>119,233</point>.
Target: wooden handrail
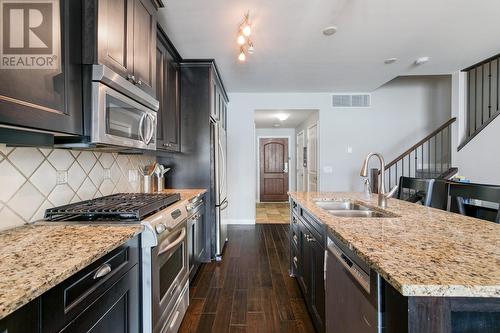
<point>418,144</point>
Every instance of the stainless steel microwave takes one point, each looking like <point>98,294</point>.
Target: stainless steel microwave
<point>118,114</point>
<point>118,120</point>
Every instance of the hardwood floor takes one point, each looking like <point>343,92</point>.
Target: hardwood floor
<point>250,290</point>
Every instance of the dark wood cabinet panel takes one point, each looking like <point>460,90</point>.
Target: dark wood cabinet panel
<point>48,98</point>
<point>24,320</point>
<point>196,240</point>
<point>144,41</point>
<point>66,302</point>
<point>167,93</point>
<point>115,40</point>
<point>307,246</point>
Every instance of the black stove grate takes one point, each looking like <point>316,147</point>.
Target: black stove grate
<point>120,206</point>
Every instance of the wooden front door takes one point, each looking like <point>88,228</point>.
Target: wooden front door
<point>274,167</point>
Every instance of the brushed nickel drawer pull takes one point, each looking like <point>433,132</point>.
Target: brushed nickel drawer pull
<point>103,270</point>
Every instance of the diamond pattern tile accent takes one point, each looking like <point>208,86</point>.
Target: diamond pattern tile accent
<point>97,174</point>
<point>44,178</point>
<point>61,195</point>
<point>26,201</point>
<point>87,190</point>
<point>26,159</point>
<point>76,176</point>
<point>10,180</point>
<point>61,159</point>
<point>9,219</point>
<point>86,159</point>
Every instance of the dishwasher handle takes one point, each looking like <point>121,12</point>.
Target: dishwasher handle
<point>350,266</point>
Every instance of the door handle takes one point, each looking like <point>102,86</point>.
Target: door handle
<point>152,125</point>
<point>174,243</point>
<point>103,270</point>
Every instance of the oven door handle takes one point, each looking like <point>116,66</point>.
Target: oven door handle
<point>174,243</point>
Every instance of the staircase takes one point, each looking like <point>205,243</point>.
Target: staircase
<point>428,158</point>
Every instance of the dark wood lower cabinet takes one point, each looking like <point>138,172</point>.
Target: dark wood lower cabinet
<point>24,320</point>
<point>115,311</point>
<point>196,240</point>
<point>309,263</point>
<point>104,297</point>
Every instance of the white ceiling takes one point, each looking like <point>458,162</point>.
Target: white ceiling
<point>292,55</point>
<point>267,118</point>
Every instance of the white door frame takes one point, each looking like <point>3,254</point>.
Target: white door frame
<point>316,124</point>
<point>258,159</point>
<point>301,163</point>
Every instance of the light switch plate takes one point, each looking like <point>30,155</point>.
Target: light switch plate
<point>327,169</point>
<point>61,177</point>
<point>349,149</point>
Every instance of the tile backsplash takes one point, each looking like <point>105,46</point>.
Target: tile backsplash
<point>34,179</point>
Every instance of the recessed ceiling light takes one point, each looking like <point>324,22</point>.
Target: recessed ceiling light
<point>276,125</point>
<point>390,61</point>
<point>282,116</point>
<point>421,60</point>
<point>328,31</point>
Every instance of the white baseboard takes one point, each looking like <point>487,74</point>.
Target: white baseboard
<point>240,221</point>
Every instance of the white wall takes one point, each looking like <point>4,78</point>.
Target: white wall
<point>277,133</point>
<point>402,112</point>
<point>479,160</point>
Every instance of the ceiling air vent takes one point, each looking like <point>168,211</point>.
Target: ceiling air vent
<point>351,100</point>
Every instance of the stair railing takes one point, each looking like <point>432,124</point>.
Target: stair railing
<point>428,158</point>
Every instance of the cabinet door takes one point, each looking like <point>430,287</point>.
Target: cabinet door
<point>167,93</point>
<point>200,235</point>
<point>45,95</point>
<point>116,311</point>
<point>317,302</point>
<point>23,320</point>
<point>115,35</point>
<point>304,268</point>
<point>191,237</point>
<point>144,45</point>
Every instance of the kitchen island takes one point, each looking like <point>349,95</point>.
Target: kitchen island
<point>437,267</point>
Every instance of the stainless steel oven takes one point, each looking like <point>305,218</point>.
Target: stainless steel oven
<point>170,275</point>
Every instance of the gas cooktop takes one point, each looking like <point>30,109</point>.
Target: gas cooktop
<point>120,207</point>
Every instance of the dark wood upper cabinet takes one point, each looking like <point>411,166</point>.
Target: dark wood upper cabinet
<point>144,31</point>
<point>115,36</point>
<point>168,94</point>
<point>121,34</point>
<point>48,96</point>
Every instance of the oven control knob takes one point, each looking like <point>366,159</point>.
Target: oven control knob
<point>160,228</point>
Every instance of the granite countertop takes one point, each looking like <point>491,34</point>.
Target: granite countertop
<point>35,258</point>
<point>186,194</point>
<point>423,251</point>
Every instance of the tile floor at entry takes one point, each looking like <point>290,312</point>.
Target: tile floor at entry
<point>273,213</point>
<point>250,290</point>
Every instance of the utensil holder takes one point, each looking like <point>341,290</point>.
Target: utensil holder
<point>147,184</point>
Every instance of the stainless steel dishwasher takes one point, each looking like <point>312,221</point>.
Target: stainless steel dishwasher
<point>352,290</point>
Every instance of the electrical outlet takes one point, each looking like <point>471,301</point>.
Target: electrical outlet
<point>61,177</point>
<point>107,173</point>
<point>132,176</point>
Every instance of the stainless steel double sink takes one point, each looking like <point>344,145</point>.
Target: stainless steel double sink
<point>349,209</point>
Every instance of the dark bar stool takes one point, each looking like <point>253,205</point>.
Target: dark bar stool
<point>415,190</point>
<point>460,192</point>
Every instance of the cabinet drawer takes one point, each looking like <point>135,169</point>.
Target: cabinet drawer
<point>316,227</point>
<point>64,302</point>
